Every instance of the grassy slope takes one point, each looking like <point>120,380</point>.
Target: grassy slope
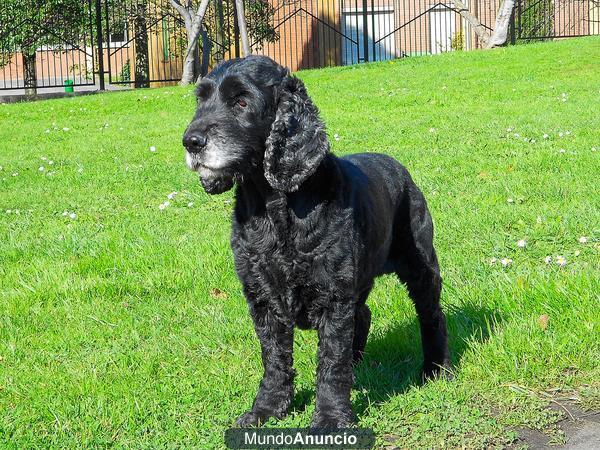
<point>110,328</point>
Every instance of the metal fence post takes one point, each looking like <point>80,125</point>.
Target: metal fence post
<point>365,31</point>
<point>513,37</point>
<point>236,31</point>
<point>519,31</point>
<point>99,44</point>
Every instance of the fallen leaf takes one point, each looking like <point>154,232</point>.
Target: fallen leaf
<point>218,293</point>
<point>543,321</point>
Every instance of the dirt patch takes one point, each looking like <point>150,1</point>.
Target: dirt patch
<point>578,430</point>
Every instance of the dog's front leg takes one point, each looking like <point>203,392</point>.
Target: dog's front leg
<point>334,372</point>
<point>276,390</point>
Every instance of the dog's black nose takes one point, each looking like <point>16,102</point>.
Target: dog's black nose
<point>194,142</point>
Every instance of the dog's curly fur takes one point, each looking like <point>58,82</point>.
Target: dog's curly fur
<point>310,232</point>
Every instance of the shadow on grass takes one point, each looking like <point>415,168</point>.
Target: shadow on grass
<point>392,362</point>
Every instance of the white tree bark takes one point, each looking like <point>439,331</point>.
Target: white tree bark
<point>481,32</point>
<point>193,26</point>
<point>500,34</point>
<point>239,5</point>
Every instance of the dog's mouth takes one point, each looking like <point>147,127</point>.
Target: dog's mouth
<point>214,181</point>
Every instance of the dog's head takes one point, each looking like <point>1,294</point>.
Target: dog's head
<point>254,117</point>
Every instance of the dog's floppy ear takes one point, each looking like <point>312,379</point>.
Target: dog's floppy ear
<point>298,142</point>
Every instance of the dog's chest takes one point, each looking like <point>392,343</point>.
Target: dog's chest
<point>295,262</point>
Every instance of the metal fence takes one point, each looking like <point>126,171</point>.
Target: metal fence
<point>41,47</point>
<point>139,43</point>
<point>548,19</point>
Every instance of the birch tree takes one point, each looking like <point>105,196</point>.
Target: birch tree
<point>499,35</point>
<point>192,18</point>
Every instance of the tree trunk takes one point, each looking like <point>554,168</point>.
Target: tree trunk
<point>142,60</point>
<point>500,34</point>
<point>193,26</point>
<point>30,71</point>
<point>241,17</point>
<point>206,50</point>
<point>481,32</point>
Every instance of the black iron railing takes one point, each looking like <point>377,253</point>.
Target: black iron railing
<point>139,43</point>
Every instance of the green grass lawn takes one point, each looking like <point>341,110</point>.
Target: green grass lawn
<point>124,324</point>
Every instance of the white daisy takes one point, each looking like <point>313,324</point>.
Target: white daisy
<point>190,204</point>
<point>583,240</point>
<point>506,261</point>
<point>522,243</point>
<point>73,216</point>
<point>545,136</point>
<point>153,149</point>
<point>561,260</point>
<point>41,169</point>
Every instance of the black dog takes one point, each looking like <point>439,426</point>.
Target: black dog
<point>310,231</point>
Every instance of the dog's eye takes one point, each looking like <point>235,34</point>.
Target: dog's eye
<point>242,102</point>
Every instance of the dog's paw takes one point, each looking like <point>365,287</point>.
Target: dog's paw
<point>435,372</point>
<point>252,418</point>
<point>258,417</point>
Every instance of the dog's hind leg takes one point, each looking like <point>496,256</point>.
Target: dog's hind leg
<point>424,288</point>
<point>362,324</point>
<point>417,266</point>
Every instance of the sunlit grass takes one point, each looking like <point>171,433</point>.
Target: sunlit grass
<point>122,322</point>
